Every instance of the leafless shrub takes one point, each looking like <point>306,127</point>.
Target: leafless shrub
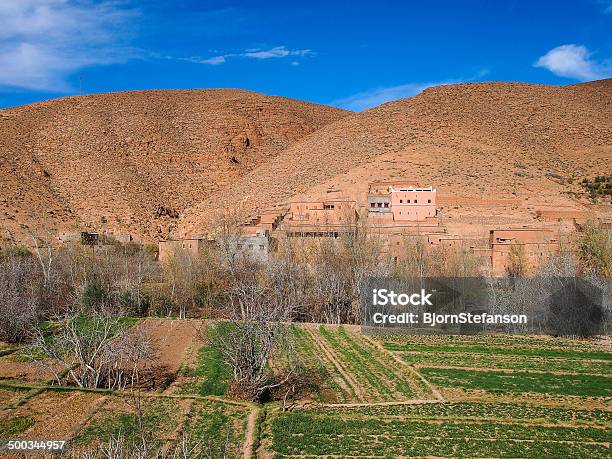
<point>262,299</point>
<point>95,351</point>
<point>516,297</point>
<point>415,260</point>
<point>595,249</point>
<point>517,261</point>
<point>332,293</point>
<point>195,281</point>
<point>19,298</point>
<point>120,447</point>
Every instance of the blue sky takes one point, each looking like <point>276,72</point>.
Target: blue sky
<point>352,54</point>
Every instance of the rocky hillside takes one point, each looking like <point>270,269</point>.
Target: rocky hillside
<point>133,161</point>
<point>483,141</point>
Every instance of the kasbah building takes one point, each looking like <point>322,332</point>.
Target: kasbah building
<point>397,212</point>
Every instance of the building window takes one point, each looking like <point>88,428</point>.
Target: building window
<point>328,206</point>
<point>261,246</point>
<point>429,201</point>
<point>372,205</point>
<point>401,201</point>
<point>408,201</point>
<point>415,201</point>
<point>379,204</point>
<point>387,205</point>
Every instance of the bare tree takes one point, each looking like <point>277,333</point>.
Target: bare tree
<point>95,351</point>
<point>20,307</point>
<point>263,298</point>
<point>595,249</point>
<point>517,261</point>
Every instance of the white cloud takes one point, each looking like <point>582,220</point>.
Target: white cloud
<point>213,60</point>
<point>607,4</point>
<point>377,96</point>
<point>43,41</point>
<point>573,61</point>
<point>260,54</point>
<point>278,51</point>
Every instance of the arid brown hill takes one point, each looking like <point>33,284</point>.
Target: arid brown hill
<point>484,141</point>
<point>133,161</point>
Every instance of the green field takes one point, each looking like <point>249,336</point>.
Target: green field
<point>316,433</point>
<point>555,399</point>
<point>412,396</point>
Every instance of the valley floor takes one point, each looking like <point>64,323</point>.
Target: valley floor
<point>392,396</point>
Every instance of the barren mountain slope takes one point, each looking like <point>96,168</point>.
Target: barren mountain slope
<point>484,141</point>
<point>131,161</point>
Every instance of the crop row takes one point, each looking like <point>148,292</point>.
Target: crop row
<point>322,370</point>
<point>508,350</point>
<point>520,382</point>
<point>369,366</point>
<point>474,410</point>
<point>473,360</point>
<point>301,434</point>
<point>498,344</point>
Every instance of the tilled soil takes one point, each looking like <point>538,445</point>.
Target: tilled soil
<point>171,338</point>
<point>23,371</point>
<point>56,415</point>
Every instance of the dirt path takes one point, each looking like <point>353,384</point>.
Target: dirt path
<point>249,435</point>
<point>331,356</point>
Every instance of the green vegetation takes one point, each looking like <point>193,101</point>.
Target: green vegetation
<point>212,374</point>
<point>461,429</point>
<point>328,389</point>
<point>216,429</point>
<point>310,433</point>
<point>11,426</point>
<point>369,366</point>
<point>521,382</point>
<point>119,419</point>
<point>598,187</point>
<point>507,347</point>
<point>595,248</point>
<point>502,352</point>
<point>554,400</point>
<point>119,323</point>
<point>488,361</point>
<point>478,410</point>
<point>211,367</point>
